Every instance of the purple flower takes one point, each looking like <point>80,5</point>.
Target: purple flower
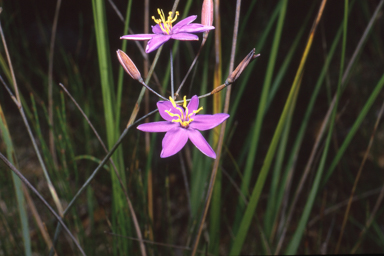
<point>164,31</point>
<point>181,125</point>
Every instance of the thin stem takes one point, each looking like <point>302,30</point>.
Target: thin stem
<point>185,179</point>
<point>32,137</point>
<point>362,41</point>
<point>147,135</point>
<point>172,86</point>
<point>134,218</point>
<point>222,133</point>
<point>29,185</point>
<point>369,221</point>
<point>9,63</point>
<point>100,166</point>
<point>190,68</point>
<point>338,206</point>
<point>50,90</point>
<point>186,248</point>
<point>139,46</point>
<point>309,43</point>
<point>325,122</point>
<point>20,107</point>
<point>151,90</point>
<point>357,178</point>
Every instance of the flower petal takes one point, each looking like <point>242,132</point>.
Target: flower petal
<point>173,141</point>
<point>199,141</point>
<point>162,106</point>
<point>157,30</point>
<point>206,122</point>
<point>183,22</point>
<point>193,104</point>
<point>195,28</point>
<point>161,126</point>
<point>185,37</point>
<point>156,41</point>
<point>140,37</point>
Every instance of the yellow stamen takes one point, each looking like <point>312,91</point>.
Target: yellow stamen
<point>184,122</point>
<point>185,102</point>
<point>171,114</point>
<point>175,106</point>
<point>165,25</point>
<point>173,102</point>
<point>197,111</point>
<point>185,105</point>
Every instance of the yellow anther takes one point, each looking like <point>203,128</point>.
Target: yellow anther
<point>184,121</point>
<point>177,107</point>
<point>173,102</point>
<point>161,13</point>
<point>185,105</point>
<point>170,17</point>
<point>165,25</point>
<point>185,101</point>
<point>171,114</point>
<point>197,111</point>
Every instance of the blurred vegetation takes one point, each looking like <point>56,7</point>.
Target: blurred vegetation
<point>301,164</point>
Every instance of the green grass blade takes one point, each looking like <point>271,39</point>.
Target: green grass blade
<point>120,220</point>
<point>249,212</point>
<point>295,241</point>
<point>6,138</point>
<point>104,66</point>
<point>359,120</point>
<point>301,132</point>
<point>248,215</point>
<point>201,167</point>
<point>260,114</point>
<point>121,70</point>
<point>272,208</point>
<point>244,79</point>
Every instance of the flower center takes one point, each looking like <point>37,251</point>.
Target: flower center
<point>165,25</point>
<point>183,118</point>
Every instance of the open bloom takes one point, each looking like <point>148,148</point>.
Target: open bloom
<point>164,31</point>
<point>183,124</point>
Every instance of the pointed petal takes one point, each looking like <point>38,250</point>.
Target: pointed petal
<point>173,141</point>
<point>185,37</point>
<point>199,141</point>
<point>161,126</point>
<point>195,28</point>
<point>167,105</point>
<point>139,37</point>
<point>207,122</point>
<point>193,104</point>
<point>157,30</point>
<point>156,42</point>
<point>183,22</point>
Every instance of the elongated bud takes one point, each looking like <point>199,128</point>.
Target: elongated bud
<point>243,64</point>
<point>207,13</point>
<point>128,65</point>
<point>237,72</point>
<point>207,17</point>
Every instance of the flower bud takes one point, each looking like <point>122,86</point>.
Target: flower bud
<point>243,64</point>
<point>237,72</point>
<point>207,13</point>
<point>128,65</point>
